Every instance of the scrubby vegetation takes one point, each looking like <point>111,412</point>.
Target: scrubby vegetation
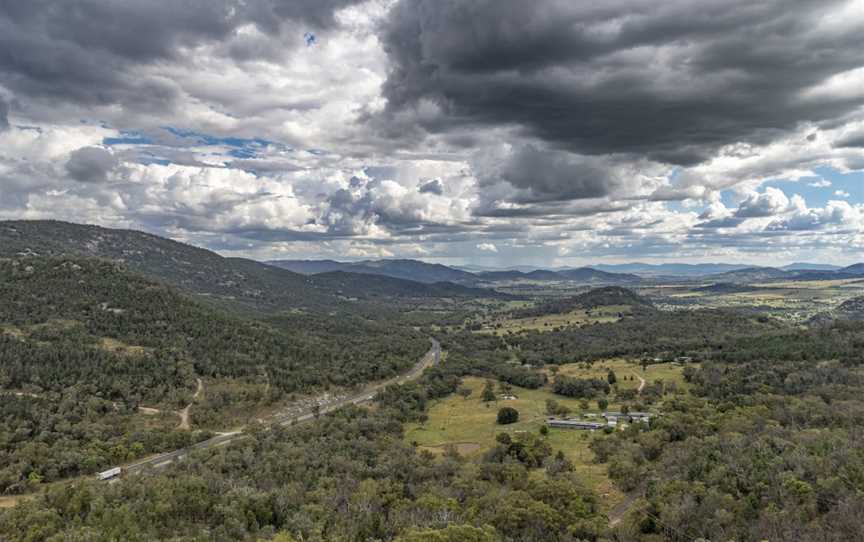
<point>764,449</point>
<point>348,477</point>
<point>84,343</point>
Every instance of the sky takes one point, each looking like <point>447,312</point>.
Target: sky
<point>490,132</point>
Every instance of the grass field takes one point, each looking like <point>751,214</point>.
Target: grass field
<point>627,371</point>
<point>469,424</point>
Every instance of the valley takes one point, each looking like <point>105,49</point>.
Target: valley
<point>591,408</point>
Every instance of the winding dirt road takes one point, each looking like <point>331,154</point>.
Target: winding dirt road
<point>641,383</point>
<point>184,414</point>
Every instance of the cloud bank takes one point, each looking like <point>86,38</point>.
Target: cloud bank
<point>548,133</point>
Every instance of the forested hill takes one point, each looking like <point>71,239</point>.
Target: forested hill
<point>609,296</point>
<point>236,281</point>
<point>84,342</point>
<point>383,287</point>
<point>99,308</point>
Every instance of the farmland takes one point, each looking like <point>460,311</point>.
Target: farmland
<point>501,325</point>
<point>468,424</point>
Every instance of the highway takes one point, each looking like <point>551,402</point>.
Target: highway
<point>432,357</point>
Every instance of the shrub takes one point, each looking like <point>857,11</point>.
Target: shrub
<point>508,415</point>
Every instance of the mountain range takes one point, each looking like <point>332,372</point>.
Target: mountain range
<point>430,273</point>
<point>236,281</point>
<point>322,284</point>
<point>757,274</point>
<point>400,269</point>
<point>581,274</point>
<point>700,269</point>
<point>597,274</point>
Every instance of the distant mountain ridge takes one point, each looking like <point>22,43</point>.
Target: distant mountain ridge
<point>855,269</point>
<point>670,269</point>
<point>804,266</point>
<point>582,274</point>
<point>235,281</point>
<point>431,273</point>
<point>402,269</point>
<point>701,269</point>
<point>595,274</point>
<point>755,274</point>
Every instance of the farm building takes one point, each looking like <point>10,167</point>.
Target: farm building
<point>574,424</point>
<point>631,417</point>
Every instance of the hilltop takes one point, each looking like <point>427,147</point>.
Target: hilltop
<point>609,296</point>
<point>852,309</point>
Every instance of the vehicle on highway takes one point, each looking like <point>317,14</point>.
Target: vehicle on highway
<point>109,474</point>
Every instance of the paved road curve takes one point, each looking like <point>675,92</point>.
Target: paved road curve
<point>432,357</point>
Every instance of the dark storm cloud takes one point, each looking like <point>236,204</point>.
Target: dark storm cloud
<point>316,14</point>
<point>86,51</point>
<point>549,211</point>
<point>91,164</point>
<point>672,81</point>
<point>545,175</point>
<point>4,115</point>
<point>431,187</point>
<point>853,140</point>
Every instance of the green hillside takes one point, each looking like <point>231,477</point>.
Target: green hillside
<point>85,342</point>
<point>609,296</point>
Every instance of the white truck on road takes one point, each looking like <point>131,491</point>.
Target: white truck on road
<point>110,473</point>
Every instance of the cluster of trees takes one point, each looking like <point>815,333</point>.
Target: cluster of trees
<point>487,355</point>
<point>526,448</point>
<point>686,333</point>
<point>700,334</point>
<point>68,407</point>
<point>581,388</point>
<point>767,447</point>
<point>64,434</point>
<point>592,299</point>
